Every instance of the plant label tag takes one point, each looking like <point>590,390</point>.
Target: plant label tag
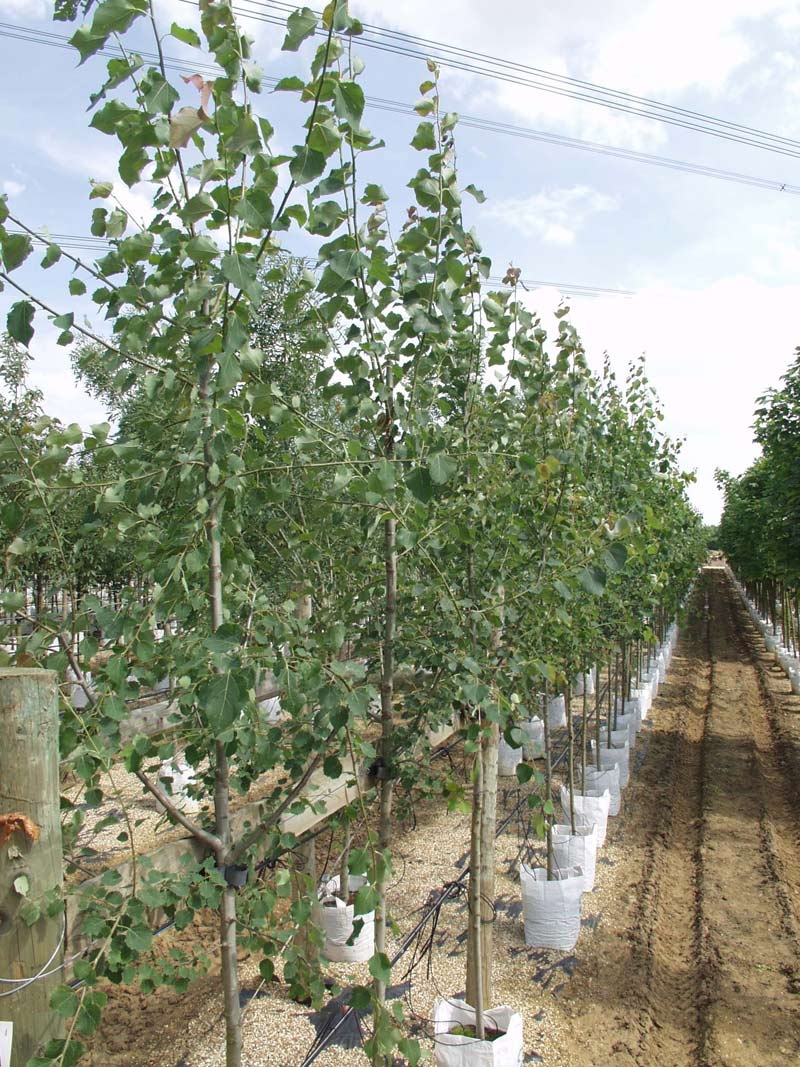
<point>6,1032</point>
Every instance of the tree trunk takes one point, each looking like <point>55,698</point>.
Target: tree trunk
<point>482,872</point>
<point>386,754</point>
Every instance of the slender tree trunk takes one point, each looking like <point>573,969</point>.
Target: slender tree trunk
<point>222,825</point>
<point>548,781</point>
<point>482,872</point>
<point>571,753</point>
<point>386,784</point>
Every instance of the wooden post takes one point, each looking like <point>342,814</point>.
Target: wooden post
<point>30,856</point>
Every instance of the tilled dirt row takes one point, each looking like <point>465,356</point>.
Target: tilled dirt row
<point>700,966</point>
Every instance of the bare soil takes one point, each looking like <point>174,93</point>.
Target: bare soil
<point>700,967</point>
<point>690,952</point>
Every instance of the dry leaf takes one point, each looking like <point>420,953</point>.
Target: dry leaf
<point>182,125</point>
<point>16,822</point>
<point>203,87</point>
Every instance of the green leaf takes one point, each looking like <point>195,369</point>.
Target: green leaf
<point>76,287</point>
<point>348,102</point>
<point>222,699</point>
<point>420,483</point>
<point>64,1002</point>
<point>332,767</point>
<point>593,580</point>
<point>16,247</point>
<point>479,195</point>
<point>131,164</point>
<point>201,249</point>
<point>159,95</point>
<point>299,26</point>
<point>374,194</point>
<point>185,34</point>
<point>139,939</point>
<point>425,137</point>
<point>291,84</point>
<point>242,271</point>
<point>52,255</point>
<point>441,468</point>
<point>19,322</point>
<point>306,165</point>
<point>380,968</point>
<point>101,190</point>
<point>366,900</point>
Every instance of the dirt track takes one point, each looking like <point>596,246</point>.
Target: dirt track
<point>700,967</point>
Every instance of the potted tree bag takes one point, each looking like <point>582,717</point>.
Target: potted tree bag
<point>457,1046</point>
<point>551,907</point>
<point>338,920</point>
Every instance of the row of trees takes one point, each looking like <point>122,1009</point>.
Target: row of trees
<point>760,527</point>
<point>467,504</point>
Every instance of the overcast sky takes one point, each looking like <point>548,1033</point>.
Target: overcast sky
<point>714,265</point>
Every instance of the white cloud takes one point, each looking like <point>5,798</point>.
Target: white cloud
<point>661,49</point>
<point>554,215</point>
<point>11,188</point>
<point>31,10</point>
<point>99,163</point>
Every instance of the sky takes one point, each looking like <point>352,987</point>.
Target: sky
<point>712,266</point>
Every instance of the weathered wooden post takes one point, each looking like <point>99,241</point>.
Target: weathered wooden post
<point>31,951</point>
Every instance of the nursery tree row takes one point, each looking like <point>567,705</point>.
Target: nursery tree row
<point>474,514</point>
<point>760,527</point>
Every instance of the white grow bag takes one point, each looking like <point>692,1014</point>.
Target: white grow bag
<point>337,925</point>
<point>533,745</point>
<point>508,758</point>
<point>576,850</point>
<point>590,807</point>
<point>620,755</point>
<point>455,1050</point>
<point>598,780</point>
<point>551,911</point>
<point>556,712</point>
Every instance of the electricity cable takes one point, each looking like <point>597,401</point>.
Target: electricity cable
<point>486,125</point>
<point>496,68</point>
<point>100,244</point>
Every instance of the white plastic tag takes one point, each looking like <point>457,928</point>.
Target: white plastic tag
<point>6,1032</point>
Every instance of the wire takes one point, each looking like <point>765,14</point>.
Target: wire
<point>101,244</point>
<point>476,122</point>
<point>496,68</point>
<point>23,983</point>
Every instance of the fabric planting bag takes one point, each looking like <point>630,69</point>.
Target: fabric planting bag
<point>576,850</point>
<point>590,807</point>
<point>598,780</point>
<point>556,712</point>
<point>508,758</point>
<point>337,920</point>
<point>620,755</point>
<point>457,1050</point>
<point>533,745</point>
<point>551,910</point>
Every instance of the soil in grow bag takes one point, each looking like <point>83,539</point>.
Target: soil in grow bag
<point>470,1030</point>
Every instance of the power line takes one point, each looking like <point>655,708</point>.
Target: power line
<point>87,243</point>
<point>41,37</point>
<point>496,68</point>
